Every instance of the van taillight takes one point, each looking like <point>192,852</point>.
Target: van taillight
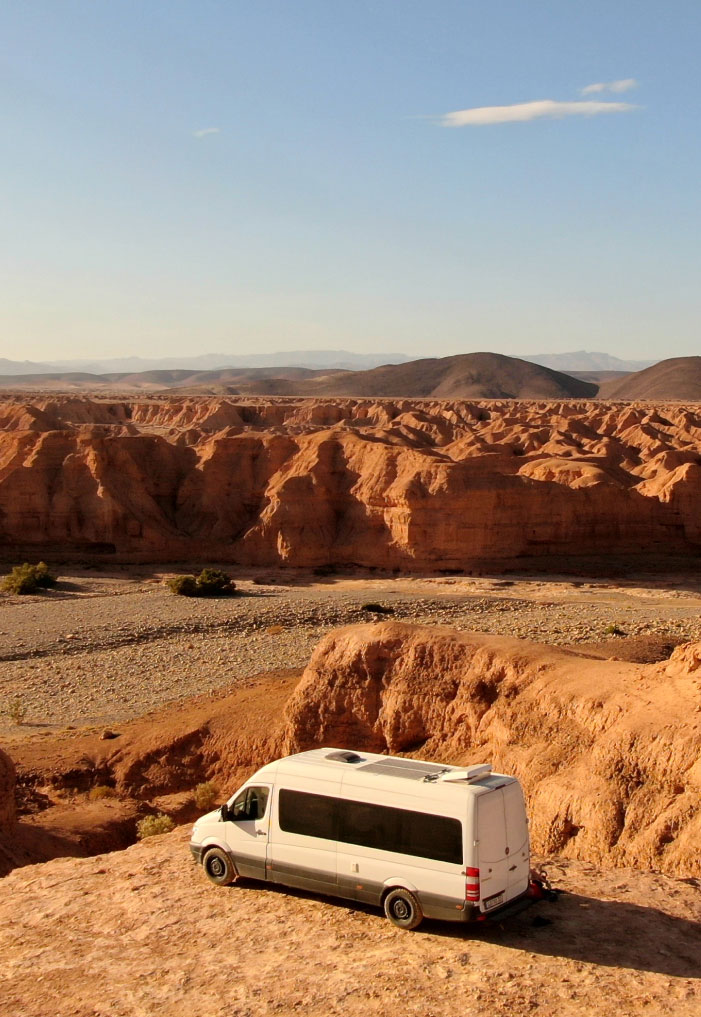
<point>472,885</point>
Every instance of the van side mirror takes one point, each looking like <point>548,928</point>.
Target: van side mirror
<point>224,813</point>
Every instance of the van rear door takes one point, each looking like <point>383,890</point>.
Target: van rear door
<point>492,849</point>
<point>503,846</point>
<point>519,867</point>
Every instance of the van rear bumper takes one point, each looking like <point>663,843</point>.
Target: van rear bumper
<point>512,907</point>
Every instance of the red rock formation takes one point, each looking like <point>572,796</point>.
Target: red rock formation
<point>399,483</point>
<point>609,753</point>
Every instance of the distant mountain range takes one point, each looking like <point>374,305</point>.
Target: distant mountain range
<point>340,360</point>
<point>472,375</point>
<point>467,376</point>
<point>314,359</point>
<point>582,361</point>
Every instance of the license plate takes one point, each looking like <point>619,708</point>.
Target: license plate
<point>493,902</point>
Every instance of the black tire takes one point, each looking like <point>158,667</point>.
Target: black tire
<point>403,909</point>
<point>218,867</point>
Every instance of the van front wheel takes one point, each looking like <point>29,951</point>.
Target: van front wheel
<point>403,909</point>
<point>218,867</point>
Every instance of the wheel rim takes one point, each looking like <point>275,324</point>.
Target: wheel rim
<point>401,909</point>
<point>216,867</point>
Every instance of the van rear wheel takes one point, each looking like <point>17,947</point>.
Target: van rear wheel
<point>403,909</point>
<point>218,867</point>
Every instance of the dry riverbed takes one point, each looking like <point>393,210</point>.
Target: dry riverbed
<point>105,647</point>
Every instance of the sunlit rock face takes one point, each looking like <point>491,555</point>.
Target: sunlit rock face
<point>605,778</point>
<point>409,484</point>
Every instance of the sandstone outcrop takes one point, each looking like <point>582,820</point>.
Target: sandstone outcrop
<point>413,485</point>
<point>609,753</point>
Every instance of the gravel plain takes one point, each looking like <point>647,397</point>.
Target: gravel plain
<point>105,647</point>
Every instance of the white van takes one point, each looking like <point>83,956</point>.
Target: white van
<point>417,838</point>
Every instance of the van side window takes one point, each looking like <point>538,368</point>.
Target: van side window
<point>250,804</point>
<point>374,826</point>
<point>401,830</point>
<point>310,815</point>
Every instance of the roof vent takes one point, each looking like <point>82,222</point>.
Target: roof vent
<point>344,757</point>
<point>469,774</point>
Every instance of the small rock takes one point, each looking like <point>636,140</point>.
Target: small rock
<point>107,734</point>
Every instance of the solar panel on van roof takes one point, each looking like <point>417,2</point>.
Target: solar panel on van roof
<point>411,769</point>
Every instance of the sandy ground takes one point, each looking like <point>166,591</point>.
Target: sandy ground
<point>105,647</point>
<point>141,932</point>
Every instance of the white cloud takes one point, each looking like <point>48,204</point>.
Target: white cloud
<point>204,131</point>
<point>524,111</point>
<point>622,85</point>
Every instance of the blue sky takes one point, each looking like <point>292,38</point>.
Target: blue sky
<point>181,178</point>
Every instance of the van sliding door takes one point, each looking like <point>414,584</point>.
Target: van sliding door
<point>303,847</point>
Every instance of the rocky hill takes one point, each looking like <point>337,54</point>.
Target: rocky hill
<point>678,378</point>
<point>408,484</point>
<point>469,376</point>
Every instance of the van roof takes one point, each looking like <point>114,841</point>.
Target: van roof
<point>368,767</point>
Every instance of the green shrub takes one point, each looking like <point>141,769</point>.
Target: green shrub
<point>206,795</point>
<point>214,583</point>
<point>17,710</point>
<point>150,826</point>
<point>209,583</point>
<point>613,630</point>
<point>185,586</point>
<point>28,578</point>
<point>95,794</point>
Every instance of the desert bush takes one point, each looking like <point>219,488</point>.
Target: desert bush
<point>28,578</point>
<point>206,795</point>
<point>150,826</point>
<point>17,711</point>
<point>209,583</point>
<point>614,630</point>
<point>185,586</point>
<point>100,791</point>
<point>215,583</point>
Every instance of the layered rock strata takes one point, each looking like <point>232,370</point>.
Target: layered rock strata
<point>407,484</point>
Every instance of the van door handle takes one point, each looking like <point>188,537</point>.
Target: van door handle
<point>512,868</point>
<point>264,833</point>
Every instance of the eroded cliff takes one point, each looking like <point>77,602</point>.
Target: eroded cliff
<point>403,484</point>
<point>609,753</point>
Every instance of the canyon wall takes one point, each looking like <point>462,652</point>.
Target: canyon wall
<point>608,753</point>
<point>407,484</point>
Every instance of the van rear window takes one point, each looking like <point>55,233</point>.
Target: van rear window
<point>369,825</point>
